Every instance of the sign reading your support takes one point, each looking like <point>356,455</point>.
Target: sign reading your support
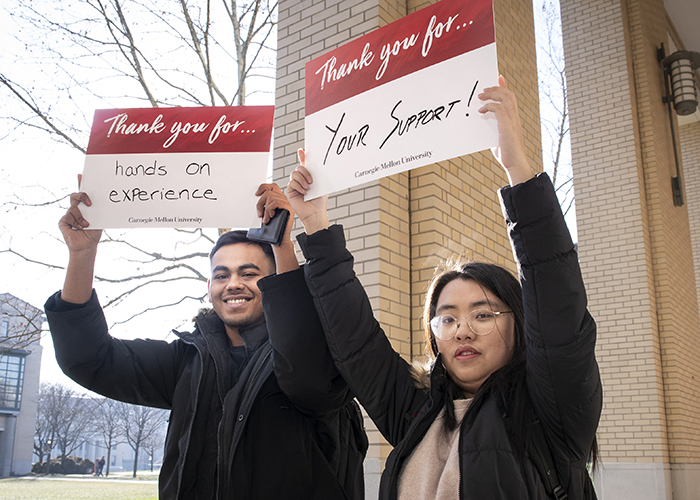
<point>401,97</point>
<point>176,167</point>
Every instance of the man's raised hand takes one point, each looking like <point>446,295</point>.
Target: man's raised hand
<point>74,227</point>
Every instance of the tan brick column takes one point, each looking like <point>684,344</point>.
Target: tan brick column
<point>690,152</point>
<point>686,474</point>
<point>398,228</point>
<point>634,248</point>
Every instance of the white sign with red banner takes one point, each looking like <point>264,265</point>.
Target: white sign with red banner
<point>401,97</point>
<point>176,167</point>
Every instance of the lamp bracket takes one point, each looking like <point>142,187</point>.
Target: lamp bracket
<point>677,191</point>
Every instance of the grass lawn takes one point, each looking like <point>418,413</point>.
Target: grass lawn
<point>72,488</point>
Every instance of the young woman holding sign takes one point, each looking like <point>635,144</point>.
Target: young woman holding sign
<point>509,406</point>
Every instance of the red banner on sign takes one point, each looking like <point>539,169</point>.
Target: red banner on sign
<point>224,129</point>
<point>431,35</point>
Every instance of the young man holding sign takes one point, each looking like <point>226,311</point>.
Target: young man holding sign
<point>243,423</point>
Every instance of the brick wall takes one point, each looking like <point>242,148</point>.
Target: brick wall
<point>677,311</point>
<point>690,151</point>
<point>634,243</point>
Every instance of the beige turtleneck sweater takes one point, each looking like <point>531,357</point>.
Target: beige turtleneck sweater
<point>432,470</point>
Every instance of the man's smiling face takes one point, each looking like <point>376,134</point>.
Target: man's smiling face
<point>233,287</point>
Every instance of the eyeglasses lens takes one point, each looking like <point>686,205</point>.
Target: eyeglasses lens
<point>480,321</point>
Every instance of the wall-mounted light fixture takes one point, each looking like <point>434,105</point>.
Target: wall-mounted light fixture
<point>679,68</point>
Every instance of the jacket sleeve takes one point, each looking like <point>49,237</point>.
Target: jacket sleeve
<point>302,363</point>
<point>563,380</point>
<point>376,374</point>
<point>142,372</point>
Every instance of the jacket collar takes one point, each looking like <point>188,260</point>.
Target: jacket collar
<point>438,377</point>
<point>214,332</point>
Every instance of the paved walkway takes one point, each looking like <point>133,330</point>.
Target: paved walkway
<point>81,477</point>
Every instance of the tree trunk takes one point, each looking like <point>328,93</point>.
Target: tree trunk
<point>109,459</point>
<point>136,460</point>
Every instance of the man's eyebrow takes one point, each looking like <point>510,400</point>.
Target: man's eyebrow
<point>243,267</point>
<point>239,269</point>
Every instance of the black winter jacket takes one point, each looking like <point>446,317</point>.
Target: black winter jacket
<point>249,441</point>
<point>562,377</point>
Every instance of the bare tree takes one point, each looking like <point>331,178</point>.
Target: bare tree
<point>65,417</point>
<point>108,426</point>
<point>554,105</point>
<point>139,425</point>
<point>43,431</point>
<point>21,323</point>
<point>154,443</point>
<point>83,54</point>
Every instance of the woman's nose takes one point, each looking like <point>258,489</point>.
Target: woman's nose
<point>463,331</point>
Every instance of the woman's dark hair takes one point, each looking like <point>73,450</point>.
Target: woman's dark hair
<point>507,384</point>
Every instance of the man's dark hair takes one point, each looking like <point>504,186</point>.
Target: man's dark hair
<point>240,236</point>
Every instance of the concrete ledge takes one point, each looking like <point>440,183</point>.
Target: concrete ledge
<point>633,481</point>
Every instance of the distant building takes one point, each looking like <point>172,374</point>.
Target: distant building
<point>121,457</point>
<point>20,364</point>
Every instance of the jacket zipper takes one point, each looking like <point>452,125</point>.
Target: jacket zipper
<point>434,410</point>
<point>394,486</point>
<point>254,376</point>
<point>218,432</point>
<point>460,455</point>
<point>194,410</point>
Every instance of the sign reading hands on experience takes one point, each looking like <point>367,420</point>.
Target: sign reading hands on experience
<point>401,97</point>
<point>176,167</point>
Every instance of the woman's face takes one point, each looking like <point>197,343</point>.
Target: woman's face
<point>470,358</point>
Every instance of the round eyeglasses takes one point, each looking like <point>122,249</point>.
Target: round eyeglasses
<point>479,321</point>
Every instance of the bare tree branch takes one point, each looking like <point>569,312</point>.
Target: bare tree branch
<point>554,103</point>
<point>24,97</point>
<point>113,53</point>
<point>21,324</point>
<point>35,205</point>
<point>161,306</point>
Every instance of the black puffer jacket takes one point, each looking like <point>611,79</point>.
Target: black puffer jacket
<point>562,377</point>
<point>249,441</point>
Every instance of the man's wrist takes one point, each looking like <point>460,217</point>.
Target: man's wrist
<point>85,254</point>
<point>285,256</point>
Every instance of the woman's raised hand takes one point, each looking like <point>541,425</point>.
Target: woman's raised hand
<point>312,213</point>
<point>510,151</point>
